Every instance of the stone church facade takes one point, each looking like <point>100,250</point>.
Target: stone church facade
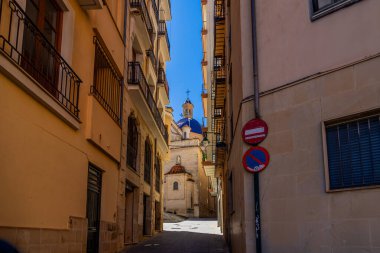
<point>188,191</point>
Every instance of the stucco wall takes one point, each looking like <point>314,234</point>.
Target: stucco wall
<point>44,160</point>
<point>287,39</point>
<point>297,214</point>
<point>43,176</point>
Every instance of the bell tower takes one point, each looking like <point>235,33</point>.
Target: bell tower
<point>187,107</point>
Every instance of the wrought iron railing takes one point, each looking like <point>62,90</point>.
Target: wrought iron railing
<point>152,57</point>
<point>136,77</point>
<point>219,69</point>
<point>24,44</point>
<point>163,31</point>
<point>141,5</point>
<point>219,10</point>
<point>155,9</point>
<point>107,87</point>
<point>162,80</point>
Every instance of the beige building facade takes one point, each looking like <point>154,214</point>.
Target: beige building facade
<point>319,93</point>
<point>72,86</point>
<point>145,133</point>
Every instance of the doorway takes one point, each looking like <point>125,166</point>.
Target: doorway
<point>147,227</point>
<point>130,199</point>
<point>157,221</point>
<point>94,190</point>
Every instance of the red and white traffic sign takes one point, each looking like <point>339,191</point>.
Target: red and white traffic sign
<point>256,159</point>
<point>255,131</point>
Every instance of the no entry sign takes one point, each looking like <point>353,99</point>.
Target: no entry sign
<point>256,159</point>
<point>255,131</point>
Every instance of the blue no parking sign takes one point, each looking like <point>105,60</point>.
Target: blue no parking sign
<point>256,159</point>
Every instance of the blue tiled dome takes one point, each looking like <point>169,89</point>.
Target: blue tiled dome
<point>192,123</point>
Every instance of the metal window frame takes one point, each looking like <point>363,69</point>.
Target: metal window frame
<point>331,8</point>
<point>132,123</point>
<point>104,89</point>
<point>336,122</point>
<point>148,168</point>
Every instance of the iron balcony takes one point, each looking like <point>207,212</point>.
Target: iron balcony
<point>25,45</point>
<point>162,31</point>
<point>162,80</point>
<point>141,94</point>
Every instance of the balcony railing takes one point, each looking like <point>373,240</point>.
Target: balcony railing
<point>219,10</point>
<point>219,69</point>
<point>152,57</point>
<point>141,5</point>
<point>136,77</point>
<point>26,46</point>
<point>162,80</point>
<point>163,31</point>
<point>108,82</point>
<point>155,9</point>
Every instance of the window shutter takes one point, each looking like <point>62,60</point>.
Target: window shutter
<point>353,151</point>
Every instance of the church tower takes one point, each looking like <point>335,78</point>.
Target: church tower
<point>187,109</point>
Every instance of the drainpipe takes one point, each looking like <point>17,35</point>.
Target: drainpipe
<point>256,180</point>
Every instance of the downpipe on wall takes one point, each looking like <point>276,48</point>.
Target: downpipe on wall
<point>256,178</point>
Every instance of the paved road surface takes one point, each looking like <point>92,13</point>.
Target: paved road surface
<point>190,236</point>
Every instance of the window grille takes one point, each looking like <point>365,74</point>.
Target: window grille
<point>175,186</point>
<point>107,87</point>
<point>132,143</point>
<point>148,162</point>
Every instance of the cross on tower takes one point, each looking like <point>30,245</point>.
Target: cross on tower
<point>187,92</point>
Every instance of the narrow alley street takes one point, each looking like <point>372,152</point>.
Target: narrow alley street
<point>189,236</point>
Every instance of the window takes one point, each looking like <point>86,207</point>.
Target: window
<point>132,143</point>
<point>148,162</point>
<point>47,17</point>
<point>107,87</point>
<point>175,186</point>
<point>353,152</point>
<point>31,37</point>
<point>158,174</point>
<point>321,8</point>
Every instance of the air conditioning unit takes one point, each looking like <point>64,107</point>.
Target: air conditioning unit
<point>91,4</point>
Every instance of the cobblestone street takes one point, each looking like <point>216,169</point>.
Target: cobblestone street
<point>190,236</point>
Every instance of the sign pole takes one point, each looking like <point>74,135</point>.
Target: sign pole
<point>255,160</point>
<point>257,212</point>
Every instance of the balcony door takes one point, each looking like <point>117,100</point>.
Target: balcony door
<point>42,34</point>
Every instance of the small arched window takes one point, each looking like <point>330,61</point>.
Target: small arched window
<point>175,186</point>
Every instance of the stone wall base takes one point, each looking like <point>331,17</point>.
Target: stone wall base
<point>108,237</point>
<point>30,240</point>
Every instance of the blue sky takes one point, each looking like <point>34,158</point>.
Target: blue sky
<point>184,70</point>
